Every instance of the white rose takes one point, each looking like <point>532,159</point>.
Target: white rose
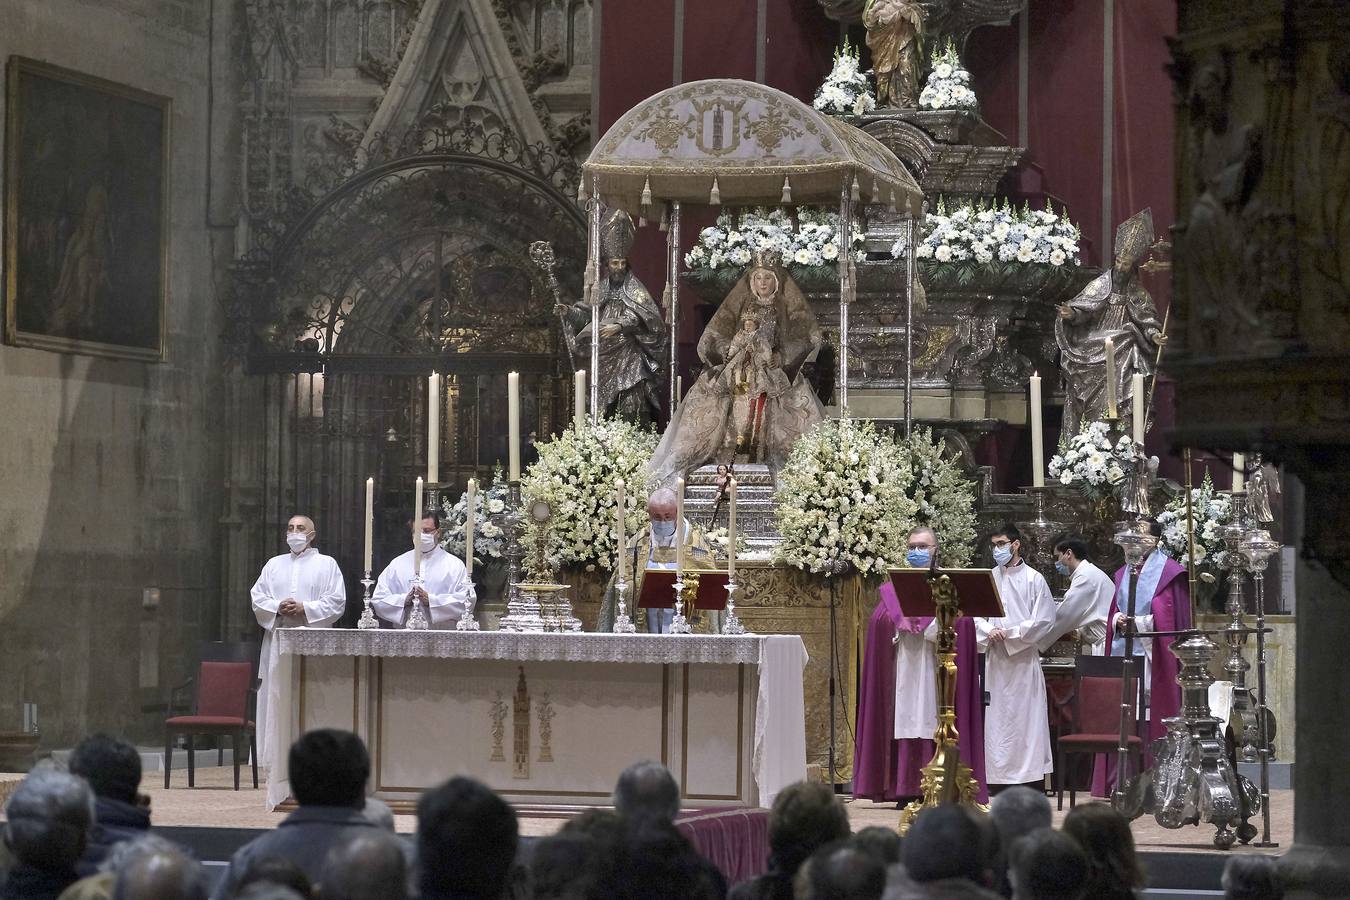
<point>943,253</point>
<point>943,70</point>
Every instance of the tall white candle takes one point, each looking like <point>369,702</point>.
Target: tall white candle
<point>470,516</point>
<point>417,528</point>
<point>1137,406</point>
<point>679,389</point>
<point>731,533</point>
<point>1037,435</point>
<point>1239,471</point>
<point>1111,409</point>
<point>579,400</point>
<point>370,521</point>
<point>434,428</point>
<point>679,529</point>
<point>513,424</point>
<point>619,514</point>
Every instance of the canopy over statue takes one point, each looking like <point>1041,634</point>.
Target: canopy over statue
<point>751,402</point>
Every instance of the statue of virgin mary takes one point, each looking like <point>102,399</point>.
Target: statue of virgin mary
<point>751,402</point>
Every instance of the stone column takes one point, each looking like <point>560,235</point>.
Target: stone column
<point>1318,865</point>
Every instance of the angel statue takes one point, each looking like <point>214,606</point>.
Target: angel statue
<point>894,33</point>
<point>632,330</point>
<point>1116,306</point>
<point>751,402</point>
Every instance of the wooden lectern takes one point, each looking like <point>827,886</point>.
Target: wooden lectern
<point>946,595</point>
<point>707,589</point>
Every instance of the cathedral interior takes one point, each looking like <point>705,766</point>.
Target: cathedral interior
<point>335,198</point>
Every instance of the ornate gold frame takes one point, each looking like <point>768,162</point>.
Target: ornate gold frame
<point>16,68</point>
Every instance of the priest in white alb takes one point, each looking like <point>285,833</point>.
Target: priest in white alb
<point>302,587</point>
<point>1017,724</point>
<point>445,589</point>
<point>1087,602</point>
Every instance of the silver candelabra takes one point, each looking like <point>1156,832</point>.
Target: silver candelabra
<point>678,623</point>
<point>367,621</point>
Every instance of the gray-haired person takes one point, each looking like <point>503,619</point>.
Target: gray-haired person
<point>50,814</point>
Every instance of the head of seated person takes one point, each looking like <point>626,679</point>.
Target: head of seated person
<point>647,790</point>
<point>329,767</point>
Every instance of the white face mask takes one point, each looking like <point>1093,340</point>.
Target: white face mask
<point>426,541</point>
<point>297,540</point>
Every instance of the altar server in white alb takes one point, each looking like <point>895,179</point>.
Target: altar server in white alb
<point>302,587</point>
<point>1016,726</point>
<point>1087,602</point>
<point>446,586</point>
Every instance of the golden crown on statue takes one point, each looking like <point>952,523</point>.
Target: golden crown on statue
<point>764,259</point>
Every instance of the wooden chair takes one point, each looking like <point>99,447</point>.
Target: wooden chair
<point>224,703</point>
<point>1094,720</point>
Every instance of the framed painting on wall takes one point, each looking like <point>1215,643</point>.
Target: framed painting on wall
<point>86,190</point>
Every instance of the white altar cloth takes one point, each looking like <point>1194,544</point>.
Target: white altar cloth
<point>432,704</point>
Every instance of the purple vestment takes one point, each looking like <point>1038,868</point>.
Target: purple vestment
<point>886,769</point>
<point>1171,611</point>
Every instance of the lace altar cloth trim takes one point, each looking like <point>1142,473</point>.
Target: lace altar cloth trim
<point>647,649</point>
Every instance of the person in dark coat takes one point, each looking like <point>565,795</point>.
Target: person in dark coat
<point>121,813</point>
<point>328,769</point>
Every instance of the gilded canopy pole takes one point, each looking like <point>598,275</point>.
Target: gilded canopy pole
<point>909,312</point>
<point>845,288</point>
<point>673,279</point>
<point>593,293</point>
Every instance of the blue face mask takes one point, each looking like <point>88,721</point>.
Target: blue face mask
<point>919,558</point>
<point>663,531</point>
<point>1003,555</point>
<point>1061,568</point>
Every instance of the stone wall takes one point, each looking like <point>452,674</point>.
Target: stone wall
<point>112,476</point>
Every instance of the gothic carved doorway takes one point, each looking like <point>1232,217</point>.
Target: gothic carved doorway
<point>416,265</point>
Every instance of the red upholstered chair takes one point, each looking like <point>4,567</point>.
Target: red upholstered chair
<point>1094,721</point>
<point>225,702</point>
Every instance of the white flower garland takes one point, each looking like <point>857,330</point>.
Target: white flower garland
<point>846,90</point>
<point>985,233</point>
<point>813,239</point>
<point>1210,510</point>
<point>843,497</point>
<point>489,540</point>
<point>948,84</point>
<point>576,475</point>
<point>943,495</point>
<point>1090,463</point>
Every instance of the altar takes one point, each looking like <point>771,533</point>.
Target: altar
<point>549,720</point>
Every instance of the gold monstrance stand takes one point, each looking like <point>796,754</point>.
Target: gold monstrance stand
<point>945,779</point>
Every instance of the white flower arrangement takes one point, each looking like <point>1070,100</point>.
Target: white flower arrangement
<point>1210,510</point>
<point>813,239</point>
<point>846,91</point>
<point>844,499</point>
<point>1091,463</point>
<point>943,495</point>
<point>489,540</point>
<point>576,475</point>
<point>986,232</point>
<point>948,84</point>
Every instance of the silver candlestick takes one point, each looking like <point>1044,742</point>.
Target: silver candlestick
<point>417,620</point>
<point>1246,735</point>
<point>678,623</point>
<point>367,621</point>
<point>623,624</point>
<point>467,622</point>
<point>1258,547</point>
<point>732,624</point>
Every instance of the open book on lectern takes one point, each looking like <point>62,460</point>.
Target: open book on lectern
<point>975,589</point>
<point>658,589</point>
